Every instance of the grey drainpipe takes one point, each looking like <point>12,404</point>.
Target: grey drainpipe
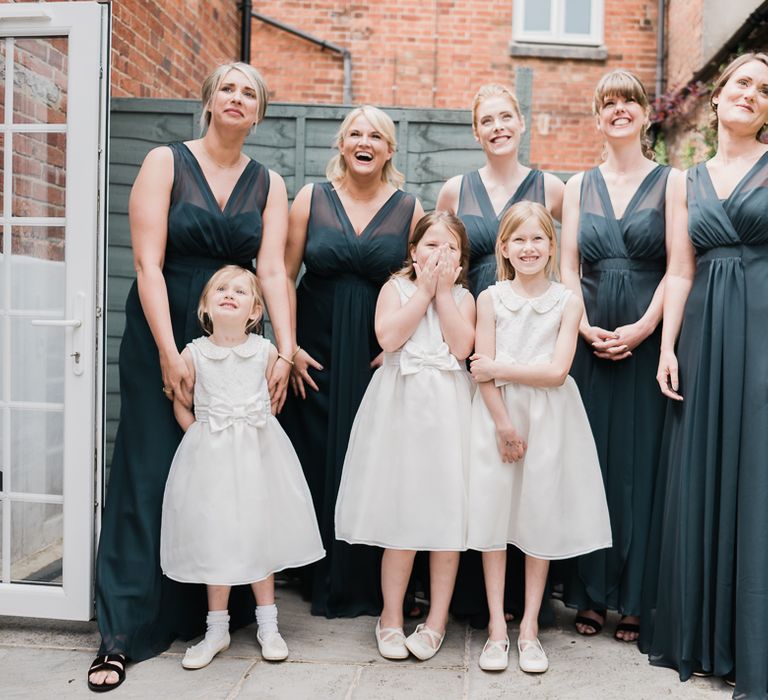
<point>345,53</point>
<point>660,48</point>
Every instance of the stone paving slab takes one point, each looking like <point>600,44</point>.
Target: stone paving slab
<point>338,660</point>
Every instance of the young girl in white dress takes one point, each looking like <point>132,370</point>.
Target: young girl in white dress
<point>534,477</point>
<point>403,486</point>
<point>236,506</point>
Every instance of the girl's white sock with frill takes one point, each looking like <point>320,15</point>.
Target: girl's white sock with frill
<point>266,619</point>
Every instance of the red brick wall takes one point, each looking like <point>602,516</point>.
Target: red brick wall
<point>165,48</point>
<point>436,54</point>
<point>684,41</point>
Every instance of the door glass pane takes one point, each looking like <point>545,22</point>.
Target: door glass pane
<point>37,536</point>
<point>37,270</point>
<point>40,80</point>
<point>37,452</point>
<point>37,362</point>
<point>538,15</point>
<point>39,175</point>
<point>578,16</point>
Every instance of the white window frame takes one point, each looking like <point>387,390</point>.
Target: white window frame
<point>557,33</point>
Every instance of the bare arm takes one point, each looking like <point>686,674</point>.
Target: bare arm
<point>270,269</point>
<point>681,266</point>
<point>554,188</point>
<point>394,322</point>
<point>511,447</point>
<point>448,197</point>
<point>148,214</point>
<point>183,414</point>
<point>298,220</point>
<point>553,373</point>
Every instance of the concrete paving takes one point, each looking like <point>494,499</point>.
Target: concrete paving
<point>337,659</point>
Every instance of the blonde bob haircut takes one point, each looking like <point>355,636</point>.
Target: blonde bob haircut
<point>493,90</point>
<point>726,75</point>
<point>515,217</point>
<point>382,122</point>
<point>212,84</point>
<point>227,274</point>
<point>626,85</point>
<point>426,222</point>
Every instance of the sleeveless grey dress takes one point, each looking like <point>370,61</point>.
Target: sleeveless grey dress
<point>622,263</point>
<point>710,611</point>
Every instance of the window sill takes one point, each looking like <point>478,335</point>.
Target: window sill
<point>582,53</point>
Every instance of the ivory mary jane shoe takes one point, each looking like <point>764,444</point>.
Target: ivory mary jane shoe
<point>273,646</point>
<point>202,653</point>
<point>424,643</point>
<point>532,658</point>
<point>391,641</point>
<point>495,655</point>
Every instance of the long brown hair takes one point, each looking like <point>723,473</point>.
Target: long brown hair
<point>455,226</point>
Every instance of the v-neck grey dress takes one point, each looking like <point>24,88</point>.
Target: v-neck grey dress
<point>622,263</point>
<point>479,217</point>
<point>710,611</point>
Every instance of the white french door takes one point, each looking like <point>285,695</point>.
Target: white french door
<point>52,136</point>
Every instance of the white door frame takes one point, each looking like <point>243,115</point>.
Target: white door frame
<point>86,24</point>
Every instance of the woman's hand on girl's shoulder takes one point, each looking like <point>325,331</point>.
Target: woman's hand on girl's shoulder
<point>511,446</point>
<point>278,373</point>
<point>178,373</point>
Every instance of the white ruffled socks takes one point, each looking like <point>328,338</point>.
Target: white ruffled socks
<point>216,639</point>
<point>273,647</point>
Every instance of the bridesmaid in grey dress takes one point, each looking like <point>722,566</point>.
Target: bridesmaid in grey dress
<point>613,255</point>
<point>710,613</point>
<point>480,199</point>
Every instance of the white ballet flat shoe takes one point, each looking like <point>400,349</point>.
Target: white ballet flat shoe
<point>532,658</point>
<point>273,646</point>
<point>202,653</point>
<point>424,643</point>
<point>391,641</point>
<point>495,655</point>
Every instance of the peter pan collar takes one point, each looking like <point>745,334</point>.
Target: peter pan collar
<point>541,304</point>
<point>209,349</point>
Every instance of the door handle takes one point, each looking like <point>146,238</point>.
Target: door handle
<point>78,309</point>
<point>67,323</point>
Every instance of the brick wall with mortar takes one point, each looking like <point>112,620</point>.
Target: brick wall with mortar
<point>436,54</point>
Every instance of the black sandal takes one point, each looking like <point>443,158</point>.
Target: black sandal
<point>107,662</point>
<point>626,627</point>
<point>595,625</point>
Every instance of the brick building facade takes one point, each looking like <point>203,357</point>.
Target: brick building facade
<point>436,54</point>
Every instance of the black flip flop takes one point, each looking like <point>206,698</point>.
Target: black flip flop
<point>595,625</point>
<point>108,662</point>
<point>626,627</point>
